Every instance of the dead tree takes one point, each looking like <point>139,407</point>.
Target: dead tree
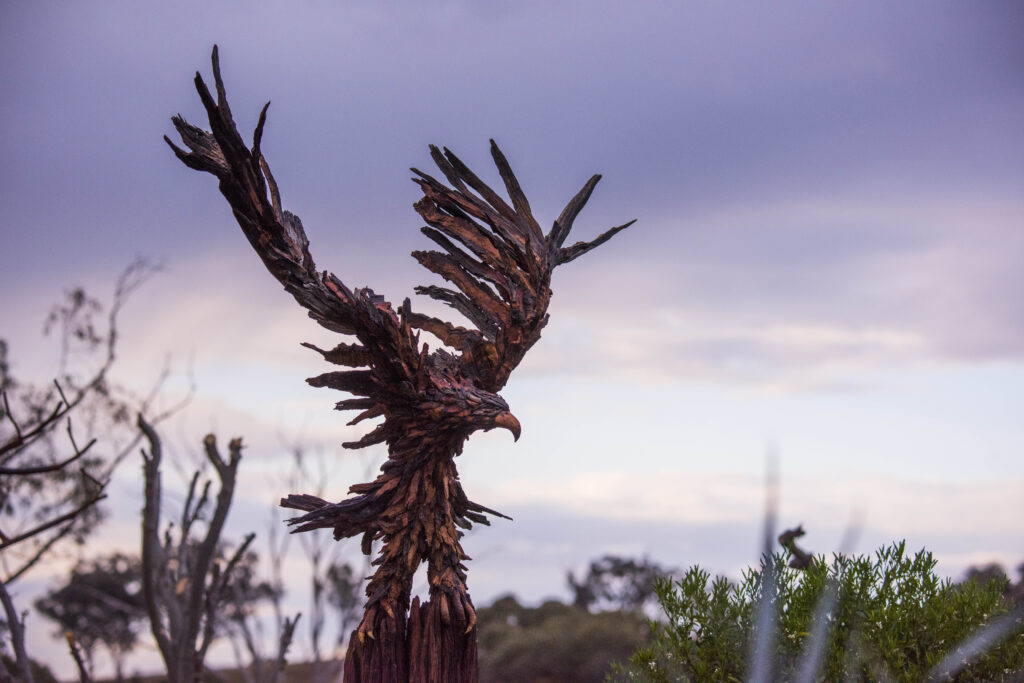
<point>500,263</point>
<point>45,496</point>
<point>19,444</point>
<point>185,585</point>
<point>49,493</point>
<point>55,525</point>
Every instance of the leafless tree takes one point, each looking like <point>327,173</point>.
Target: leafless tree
<point>331,577</point>
<point>185,585</point>
<point>14,473</point>
<point>49,489</point>
<point>335,582</point>
<point>244,627</point>
<point>247,632</point>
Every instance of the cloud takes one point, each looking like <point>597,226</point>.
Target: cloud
<point>680,519</point>
<point>843,293</point>
<point>888,504</point>
<point>805,294</point>
<point>820,174</point>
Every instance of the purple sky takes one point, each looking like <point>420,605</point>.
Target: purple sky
<point>827,253</point>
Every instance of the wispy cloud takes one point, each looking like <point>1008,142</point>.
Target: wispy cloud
<point>890,505</point>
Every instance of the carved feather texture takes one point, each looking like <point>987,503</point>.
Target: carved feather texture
<point>498,264</point>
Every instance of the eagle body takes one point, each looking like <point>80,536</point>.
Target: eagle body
<point>499,261</point>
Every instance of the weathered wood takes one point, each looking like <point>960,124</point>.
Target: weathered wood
<point>500,264</point>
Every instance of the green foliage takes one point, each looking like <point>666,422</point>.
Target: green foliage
<point>553,642</point>
<point>893,619</point>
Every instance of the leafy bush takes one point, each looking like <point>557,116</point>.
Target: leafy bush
<point>553,642</point>
<point>887,617</point>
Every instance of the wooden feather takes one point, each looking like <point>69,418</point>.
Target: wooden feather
<point>500,265</point>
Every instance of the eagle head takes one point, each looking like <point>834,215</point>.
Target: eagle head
<point>469,409</point>
<point>490,411</point>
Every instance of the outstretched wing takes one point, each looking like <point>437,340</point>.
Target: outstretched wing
<point>495,255</point>
<point>499,261</point>
<point>387,365</point>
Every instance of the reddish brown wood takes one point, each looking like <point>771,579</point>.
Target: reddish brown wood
<point>500,264</point>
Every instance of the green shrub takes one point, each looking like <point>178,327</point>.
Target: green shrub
<point>887,617</point>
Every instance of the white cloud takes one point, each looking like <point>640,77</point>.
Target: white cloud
<point>890,506</point>
<point>795,294</point>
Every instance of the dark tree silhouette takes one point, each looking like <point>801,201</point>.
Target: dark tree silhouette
<point>46,494</point>
<point>500,263</point>
<point>343,584</point>
<point>101,603</point>
<point>237,618</point>
<point>616,583</point>
<point>48,490</point>
<point>189,588</point>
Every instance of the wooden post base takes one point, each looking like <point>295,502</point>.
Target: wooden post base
<point>426,647</point>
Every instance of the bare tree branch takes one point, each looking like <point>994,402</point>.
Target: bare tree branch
<point>43,469</point>
<point>76,654</point>
<point>215,592</point>
<point>16,625</point>
<point>28,466</point>
<point>184,597</point>
<point>152,552</point>
<point>283,643</point>
<point>41,551</point>
<point>67,516</point>
<point>22,439</point>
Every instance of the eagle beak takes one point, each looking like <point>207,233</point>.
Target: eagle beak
<point>509,422</point>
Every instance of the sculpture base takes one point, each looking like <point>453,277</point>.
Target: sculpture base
<point>430,646</point>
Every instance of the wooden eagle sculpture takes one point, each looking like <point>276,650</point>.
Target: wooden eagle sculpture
<point>500,263</point>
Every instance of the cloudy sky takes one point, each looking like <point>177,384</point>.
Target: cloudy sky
<point>826,259</point>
